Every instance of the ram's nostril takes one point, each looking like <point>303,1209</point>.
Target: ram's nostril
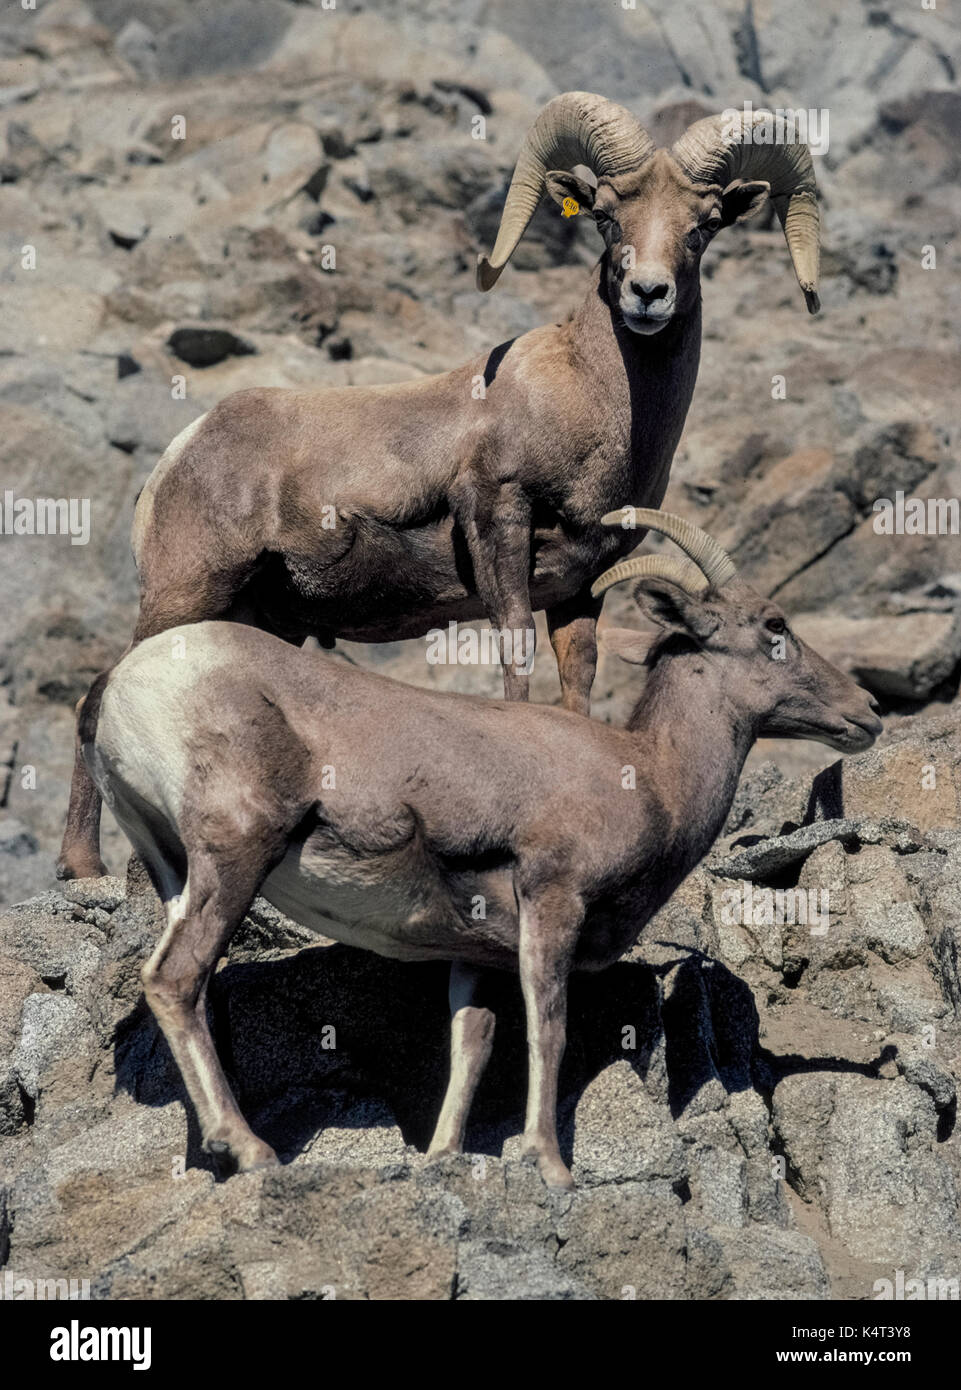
<point>875,705</point>
<point>649,290</point>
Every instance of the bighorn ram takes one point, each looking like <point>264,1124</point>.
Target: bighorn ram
<point>382,815</point>
<point>376,514</point>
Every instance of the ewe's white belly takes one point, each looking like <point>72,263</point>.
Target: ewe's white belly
<point>374,903</point>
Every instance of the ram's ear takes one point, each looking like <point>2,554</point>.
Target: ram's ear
<point>562,184</point>
<point>674,609</point>
<point>741,200</point>
<point>627,643</point>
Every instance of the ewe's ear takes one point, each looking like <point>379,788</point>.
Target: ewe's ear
<point>562,184</point>
<point>740,200</point>
<point>627,643</point>
<point>673,608</point>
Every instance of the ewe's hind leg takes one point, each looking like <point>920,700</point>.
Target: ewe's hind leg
<point>200,924</point>
<point>471,1040</point>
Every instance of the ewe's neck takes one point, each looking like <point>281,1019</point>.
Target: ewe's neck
<point>694,740</point>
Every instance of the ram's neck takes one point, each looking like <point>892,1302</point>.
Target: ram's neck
<point>645,383</point>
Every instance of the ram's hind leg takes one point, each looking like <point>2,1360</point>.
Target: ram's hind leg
<point>80,848</point>
<point>471,1040</point>
<point>200,924</point>
<point>573,629</point>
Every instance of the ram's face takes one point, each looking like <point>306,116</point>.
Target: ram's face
<point>656,226</point>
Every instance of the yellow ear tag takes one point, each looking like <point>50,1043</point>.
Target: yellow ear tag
<point>571,207</point>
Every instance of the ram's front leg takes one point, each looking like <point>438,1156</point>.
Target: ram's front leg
<point>573,629</point>
<point>496,522</point>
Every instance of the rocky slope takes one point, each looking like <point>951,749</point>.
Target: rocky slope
<point>781,1124</point>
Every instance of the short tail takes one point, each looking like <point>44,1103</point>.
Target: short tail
<point>90,714</point>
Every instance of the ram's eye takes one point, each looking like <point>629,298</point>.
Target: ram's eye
<point>776,625</point>
<point>607,226</point>
<point>714,223</point>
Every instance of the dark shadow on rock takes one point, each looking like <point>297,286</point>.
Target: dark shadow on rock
<point>826,801</point>
<point>772,1067</point>
<point>297,1035</point>
<point>710,1028</point>
<point>947,1119</point>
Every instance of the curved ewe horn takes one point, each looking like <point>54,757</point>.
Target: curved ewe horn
<point>574,128</point>
<point>648,566</point>
<point>713,561</point>
<point>719,149</point>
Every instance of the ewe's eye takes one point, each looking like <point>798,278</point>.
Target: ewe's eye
<point>776,625</point>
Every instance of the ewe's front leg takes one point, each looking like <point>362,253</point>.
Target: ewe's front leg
<point>573,629</point>
<point>496,522</point>
<point>471,1040</point>
<point>549,923</point>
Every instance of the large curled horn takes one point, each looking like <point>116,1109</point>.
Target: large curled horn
<point>574,128</point>
<point>711,559</point>
<point>648,566</point>
<point>719,149</point>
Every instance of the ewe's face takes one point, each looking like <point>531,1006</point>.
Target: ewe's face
<point>787,689</point>
<point>656,226</point>
<point>793,691</point>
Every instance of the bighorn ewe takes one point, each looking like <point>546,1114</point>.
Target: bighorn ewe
<point>379,513</point>
<point>382,815</point>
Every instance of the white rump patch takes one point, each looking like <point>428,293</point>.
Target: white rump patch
<point>143,512</point>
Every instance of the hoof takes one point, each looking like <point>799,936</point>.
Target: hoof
<point>260,1166</point>
<point>559,1182</point>
<point>433,1155</point>
<point>245,1157</point>
<point>553,1170</point>
<point>80,868</point>
<point>222,1155</point>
